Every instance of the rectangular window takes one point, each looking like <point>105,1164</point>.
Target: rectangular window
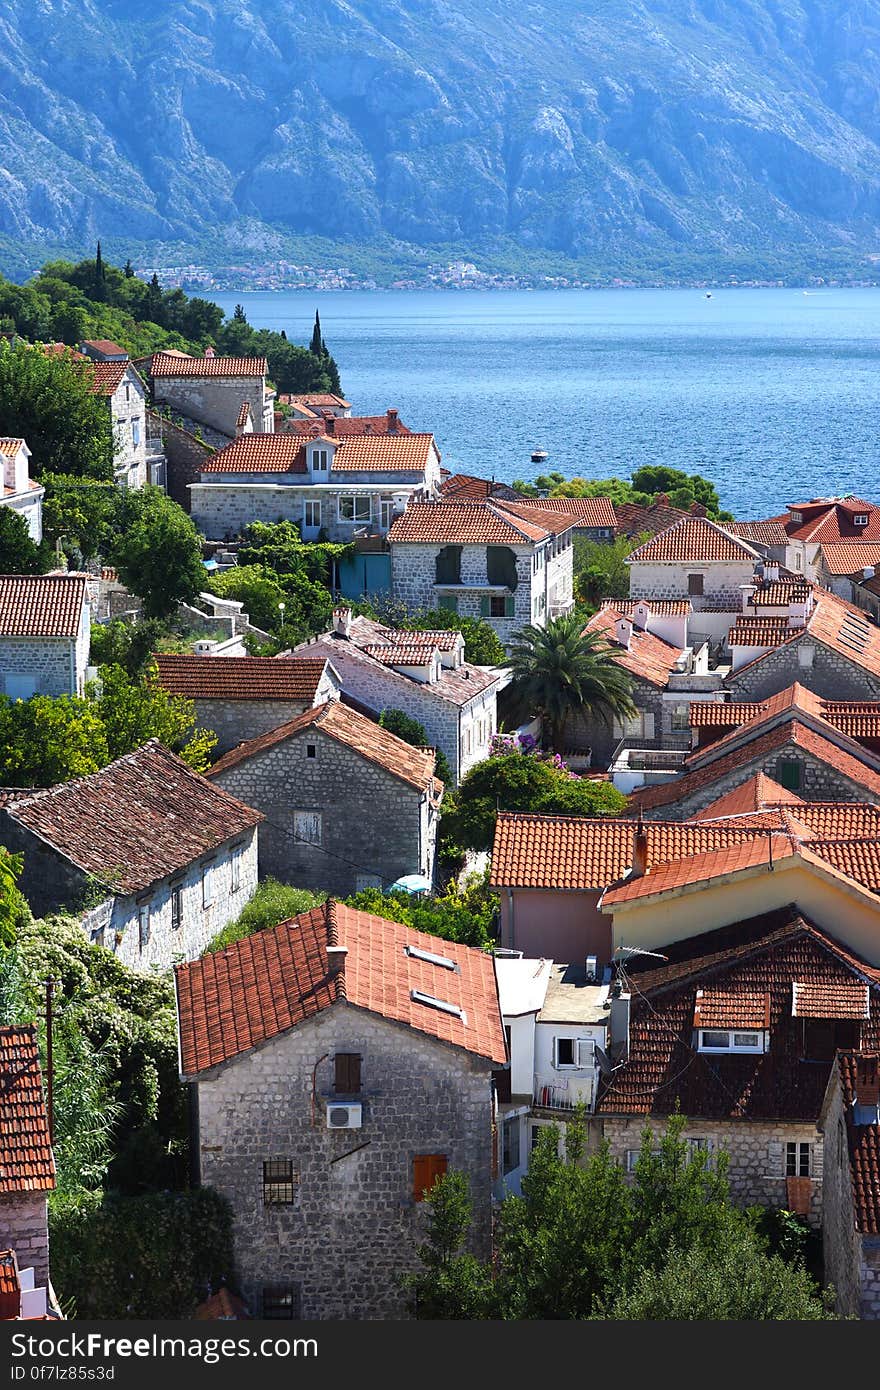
<point>564,1052</point>
<point>307,827</point>
<point>355,509</point>
<point>797,1160</point>
<point>311,750</point>
<point>235,872</point>
<point>798,560</point>
<point>176,907</point>
<point>143,925</point>
<point>279,1180</point>
<point>207,885</point>
<point>135,432</point>
<point>510,1146</point>
<point>860,519</point>
<point>347,1074</point>
<point>695,583</point>
<point>319,460</point>
<point>788,772</point>
<point>281,1302</point>
<point>427,1168</point>
<point>632,1158</point>
<point>449,602</point>
<point>681,717</point>
<point>497,606</point>
<point>312,514</point>
<point>729,1040</point>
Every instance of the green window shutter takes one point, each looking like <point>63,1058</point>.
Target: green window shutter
<point>790,775</point>
<point>484,607</point>
<point>510,607</point>
<point>449,602</point>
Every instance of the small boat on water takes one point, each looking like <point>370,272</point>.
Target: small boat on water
<point>539,456</point>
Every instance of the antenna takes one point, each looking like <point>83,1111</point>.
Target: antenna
<point>621,954</point>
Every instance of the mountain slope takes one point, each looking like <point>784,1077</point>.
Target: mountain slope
<point>578,127</point>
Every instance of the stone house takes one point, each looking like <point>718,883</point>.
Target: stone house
<point>509,563</point>
<point>424,674</point>
<point>18,491</point>
<point>155,859</point>
<point>358,1070</point>
<point>341,485</point>
<point>595,517</point>
<point>467,488</point>
<point>850,1124</point>
<point>342,426</point>
<point>27,1166</point>
<point>122,388</point>
<point>316,405</point>
<point>45,627</point>
<point>240,697</point>
<point>632,519</point>
<point>211,390</point>
<point>649,640</point>
<point>823,520</point>
<point>770,539</point>
<point>819,749</point>
<point>347,805</point>
<point>739,1027</point>
<point>849,569</point>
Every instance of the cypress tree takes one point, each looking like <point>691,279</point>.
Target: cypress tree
<point>316,346</point>
<point>128,270</point>
<point>100,285</point>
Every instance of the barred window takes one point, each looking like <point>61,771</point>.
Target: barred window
<point>279,1181</point>
<point>281,1301</point>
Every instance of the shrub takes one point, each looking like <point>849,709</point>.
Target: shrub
<point>272,903</point>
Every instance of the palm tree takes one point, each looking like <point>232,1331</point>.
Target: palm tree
<point>560,670</point>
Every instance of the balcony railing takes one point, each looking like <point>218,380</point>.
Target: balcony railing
<point>564,1095</point>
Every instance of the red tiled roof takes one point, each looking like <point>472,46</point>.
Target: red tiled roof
<point>10,447</point>
<point>104,345</point>
<point>758,532</point>
<point>648,657</point>
<point>850,557</point>
<point>843,999</point>
<point>316,399</point>
<point>660,607</point>
<point>759,632</point>
<point>465,487</point>
<point>859,1080</point>
<point>590,511</point>
<point>724,714</point>
<point>343,426</point>
<point>693,540</point>
<point>241,677</point>
<point>137,820</point>
<point>286,453</point>
<point>848,764</point>
<point>633,519</point>
<point>232,1000</point>
<point>26,1162</point>
<point>170,364</point>
<point>832,519</point>
<point>754,794</point>
<point>104,377</point>
<point>402,653</point>
<point>761,954</point>
<point>244,414</point>
<point>468,523</point>
<point>753,853</point>
<point>458,686</point>
<point>62,350</point>
<point>338,721</point>
<point>222,1306</point>
<point>779,593</point>
<point>41,605</point>
<point>725,1008</point>
<point>581,854</point>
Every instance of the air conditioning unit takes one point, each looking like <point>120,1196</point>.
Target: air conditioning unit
<point>344,1115</point>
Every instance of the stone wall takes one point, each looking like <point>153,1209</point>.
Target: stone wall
<point>214,401</point>
<point>721,582</point>
<point>841,1244</point>
<point>603,736</point>
<point>224,506</point>
<point>129,424</point>
<point>373,826</point>
<point>185,457</point>
<point>235,721</point>
<point>756,1149</point>
<point>353,1226</point>
<point>414,568</point>
<point>24,1228</point>
<point>50,661</point>
<point>829,675</point>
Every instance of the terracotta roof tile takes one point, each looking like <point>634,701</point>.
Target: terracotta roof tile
<point>384,453</point>
<point>756,793</point>
<point>137,820</point>
<point>695,540</point>
<point>753,853</point>
<point>26,1162</point>
<point>105,345</point>
<point>338,721</point>
<point>41,605</point>
<point>464,523</point>
<point>402,653</point>
<point>232,1000</point>
<point>660,607</point>
<point>9,447</point>
<point>859,1077</point>
<point>759,632</point>
<point>241,677</point>
<point>286,453</point>
<point>578,853</point>
<point>634,520</point>
<point>244,414</point>
<point>832,519</point>
<point>344,426</point>
<point>648,657</point>
<point>840,999</point>
<point>465,487</point>
<point>165,364</point>
<point>758,532</point>
<point>590,511</point>
<point>779,593</point>
<point>316,399</point>
<point>458,686</point>
<point>764,955</point>
<point>724,714</point>
<point>727,1008</point>
<point>850,557</point>
<point>104,377</point>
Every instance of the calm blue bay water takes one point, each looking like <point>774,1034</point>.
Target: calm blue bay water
<point>773,394</point>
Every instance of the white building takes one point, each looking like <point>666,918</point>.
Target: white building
<point>18,491</point>
<point>125,394</point>
<point>341,486</point>
<point>558,1024</point>
<point>507,562</point>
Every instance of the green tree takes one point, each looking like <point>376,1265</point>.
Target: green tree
<point>158,552</point>
<point>272,904</point>
<point>133,711</point>
<point>682,489</point>
<point>316,346</point>
<point>129,645</point>
<point>466,914</point>
<point>600,568</point>
<point>81,512</point>
<point>411,731</point>
<point>12,904</point>
<point>99,288</point>
<point>452,1284</point>
<point>47,401</point>
<point>44,741</point>
<point>128,270</point>
<point>518,781</point>
<point>19,553</point>
<point>560,671</point>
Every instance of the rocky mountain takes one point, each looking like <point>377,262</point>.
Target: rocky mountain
<point>579,126</point>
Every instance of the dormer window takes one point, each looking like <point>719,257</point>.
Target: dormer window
<point>860,519</point>
<point>320,460</point>
<point>797,516</point>
<point>729,1040</point>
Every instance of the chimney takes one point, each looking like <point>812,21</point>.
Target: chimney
<point>662,499</point>
<point>867,1081</point>
<point>209,352</point>
<point>391,416</point>
<point>342,622</point>
<point>641,615</point>
<point>623,632</point>
<point>336,958</point>
<point>697,509</point>
<point>618,1023</point>
<point>771,571</point>
<point>639,866</point>
<point>748,593</point>
<point>330,425</point>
